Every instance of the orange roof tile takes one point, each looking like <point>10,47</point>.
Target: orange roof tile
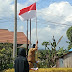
<point>7,36</point>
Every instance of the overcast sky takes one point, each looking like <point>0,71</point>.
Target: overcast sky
<point>54,17</point>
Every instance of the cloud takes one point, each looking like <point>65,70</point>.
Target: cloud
<point>21,28</point>
<point>19,7</point>
<point>5,8</point>
<point>56,13</point>
<point>46,34</point>
<point>69,18</point>
<point>33,1</point>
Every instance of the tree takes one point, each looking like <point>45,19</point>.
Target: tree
<point>48,56</point>
<point>69,35</point>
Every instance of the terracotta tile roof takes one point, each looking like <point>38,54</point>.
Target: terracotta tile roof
<point>7,36</point>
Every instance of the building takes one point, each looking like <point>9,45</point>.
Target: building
<point>6,36</point>
<point>65,61</point>
<point>59,63</point>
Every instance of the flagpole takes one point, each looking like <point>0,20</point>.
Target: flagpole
<point>15,33</point>
<point>36,36</point>
<point>30,33</point>
<point>36,24</point>
<point>24,15</point>
<point>27,39</point>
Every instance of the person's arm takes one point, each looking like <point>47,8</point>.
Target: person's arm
<point>36,47</point>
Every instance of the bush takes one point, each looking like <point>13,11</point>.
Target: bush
<point>6,59</point>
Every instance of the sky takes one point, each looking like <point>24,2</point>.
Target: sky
<point>54,17</point>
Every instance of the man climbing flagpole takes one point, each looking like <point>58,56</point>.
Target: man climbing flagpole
<point>28,13</point>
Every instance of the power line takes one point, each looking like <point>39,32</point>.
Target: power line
<point>57,23</point>
<point>34,21</point>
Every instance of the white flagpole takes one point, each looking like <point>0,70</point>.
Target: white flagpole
<point>36,29</point>
<point>36,26</point>
<point>27,39</point>
<point>30,33</point>
<point>36,36</point>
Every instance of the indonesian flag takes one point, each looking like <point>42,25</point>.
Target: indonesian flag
<point>28,12</point>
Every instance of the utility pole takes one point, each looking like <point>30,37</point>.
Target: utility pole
<point>15,32</point>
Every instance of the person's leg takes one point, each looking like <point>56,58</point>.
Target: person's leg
<point>30,65</point>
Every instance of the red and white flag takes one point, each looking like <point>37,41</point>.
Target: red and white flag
<point>28,12</point>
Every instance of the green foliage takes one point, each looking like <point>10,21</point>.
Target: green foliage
<point>70,44</point>
<point>5,56</point>
<point>69,35</point>
<point>61,52</point>
<point>45,44</point>
<point>49,55</point>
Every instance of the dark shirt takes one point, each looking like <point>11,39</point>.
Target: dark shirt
<point>21,63</point>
